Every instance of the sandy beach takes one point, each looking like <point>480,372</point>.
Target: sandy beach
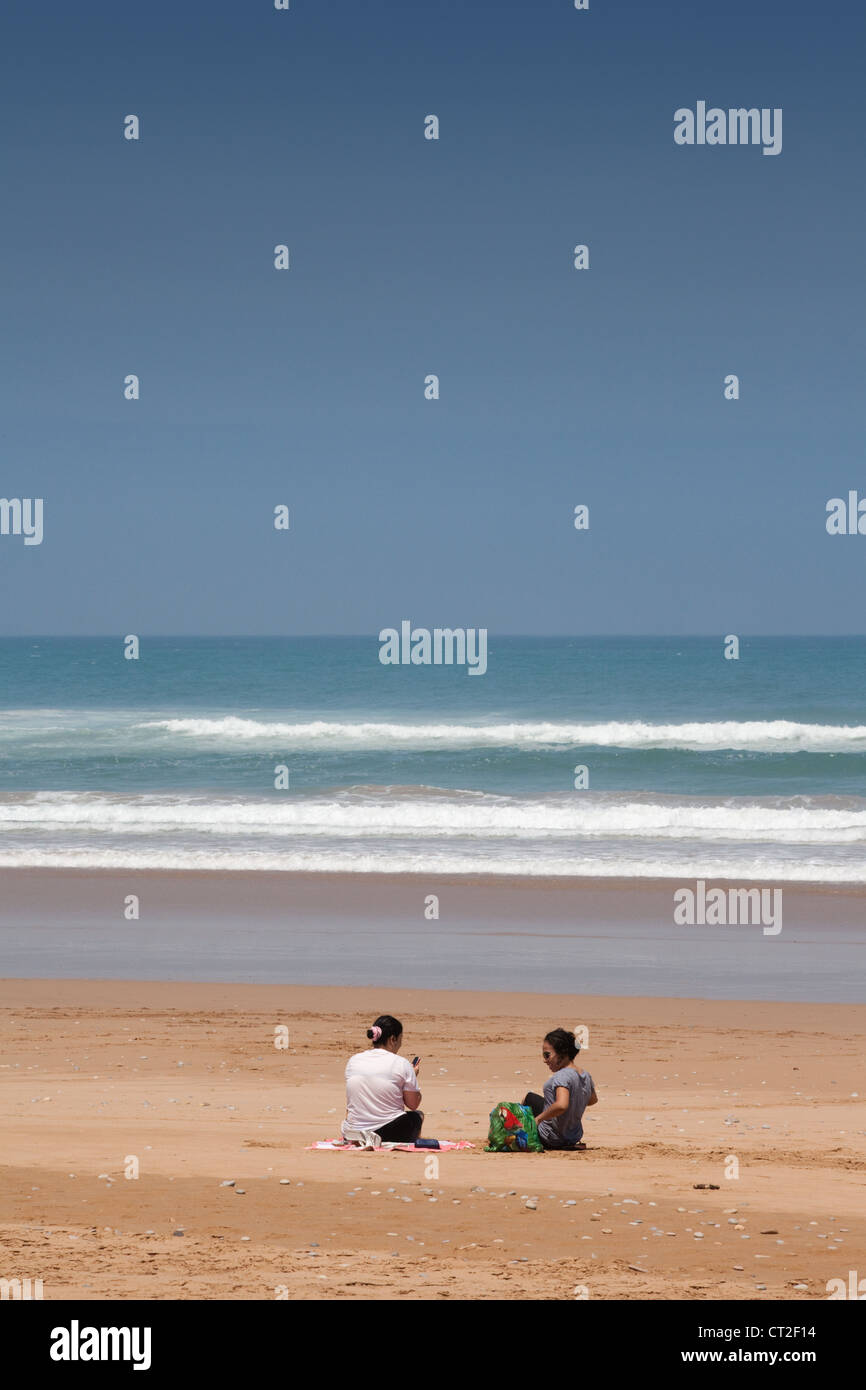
<point>185,1079</point>
<point>433,576</point>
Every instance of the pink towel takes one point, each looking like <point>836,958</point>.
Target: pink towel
<point>338,1144</point>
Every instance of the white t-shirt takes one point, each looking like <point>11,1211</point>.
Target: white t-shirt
<point>375,1081</point>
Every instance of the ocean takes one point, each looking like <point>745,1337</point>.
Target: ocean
<point>696,766</point>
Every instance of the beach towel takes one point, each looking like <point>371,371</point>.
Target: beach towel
<point>342,1147</point>
<point>512,1130</point>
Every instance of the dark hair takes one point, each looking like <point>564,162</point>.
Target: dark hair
<point>563,1043</point>
<point>391,1028</point>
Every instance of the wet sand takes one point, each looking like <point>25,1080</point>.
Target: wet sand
<point>601,936</point>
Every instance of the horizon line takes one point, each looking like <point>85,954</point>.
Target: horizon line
<point>366,636</point>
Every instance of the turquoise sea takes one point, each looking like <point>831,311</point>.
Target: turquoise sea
<point>696,765</point>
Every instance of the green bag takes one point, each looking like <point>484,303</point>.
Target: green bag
<point>512,1130</point>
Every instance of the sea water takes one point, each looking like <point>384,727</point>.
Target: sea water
<point>570,757</point>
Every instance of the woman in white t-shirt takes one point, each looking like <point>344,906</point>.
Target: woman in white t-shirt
<point>382,1088</point>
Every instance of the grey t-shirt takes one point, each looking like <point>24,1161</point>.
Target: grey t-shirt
<point>566,1130</point>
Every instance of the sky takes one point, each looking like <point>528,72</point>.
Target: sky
<point>411,257</point>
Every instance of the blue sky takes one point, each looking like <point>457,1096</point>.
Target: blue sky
<point>412,257</point>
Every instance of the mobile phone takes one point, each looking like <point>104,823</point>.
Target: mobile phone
<point>415,1061</point>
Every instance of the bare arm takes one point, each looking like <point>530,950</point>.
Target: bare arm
<point>412,1099</point>
<point>559,1106</point>
<point>593,1100</point>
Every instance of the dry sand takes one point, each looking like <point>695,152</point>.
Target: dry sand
<point>186,1078</point>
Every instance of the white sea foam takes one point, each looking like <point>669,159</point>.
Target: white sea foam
<point>431,813</point>
<point>425,829</point>
<point>81,732</point>
<point>742,869</point>
<point>760,736</point>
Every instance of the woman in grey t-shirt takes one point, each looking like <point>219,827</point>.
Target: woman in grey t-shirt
<point>567,1093</point>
